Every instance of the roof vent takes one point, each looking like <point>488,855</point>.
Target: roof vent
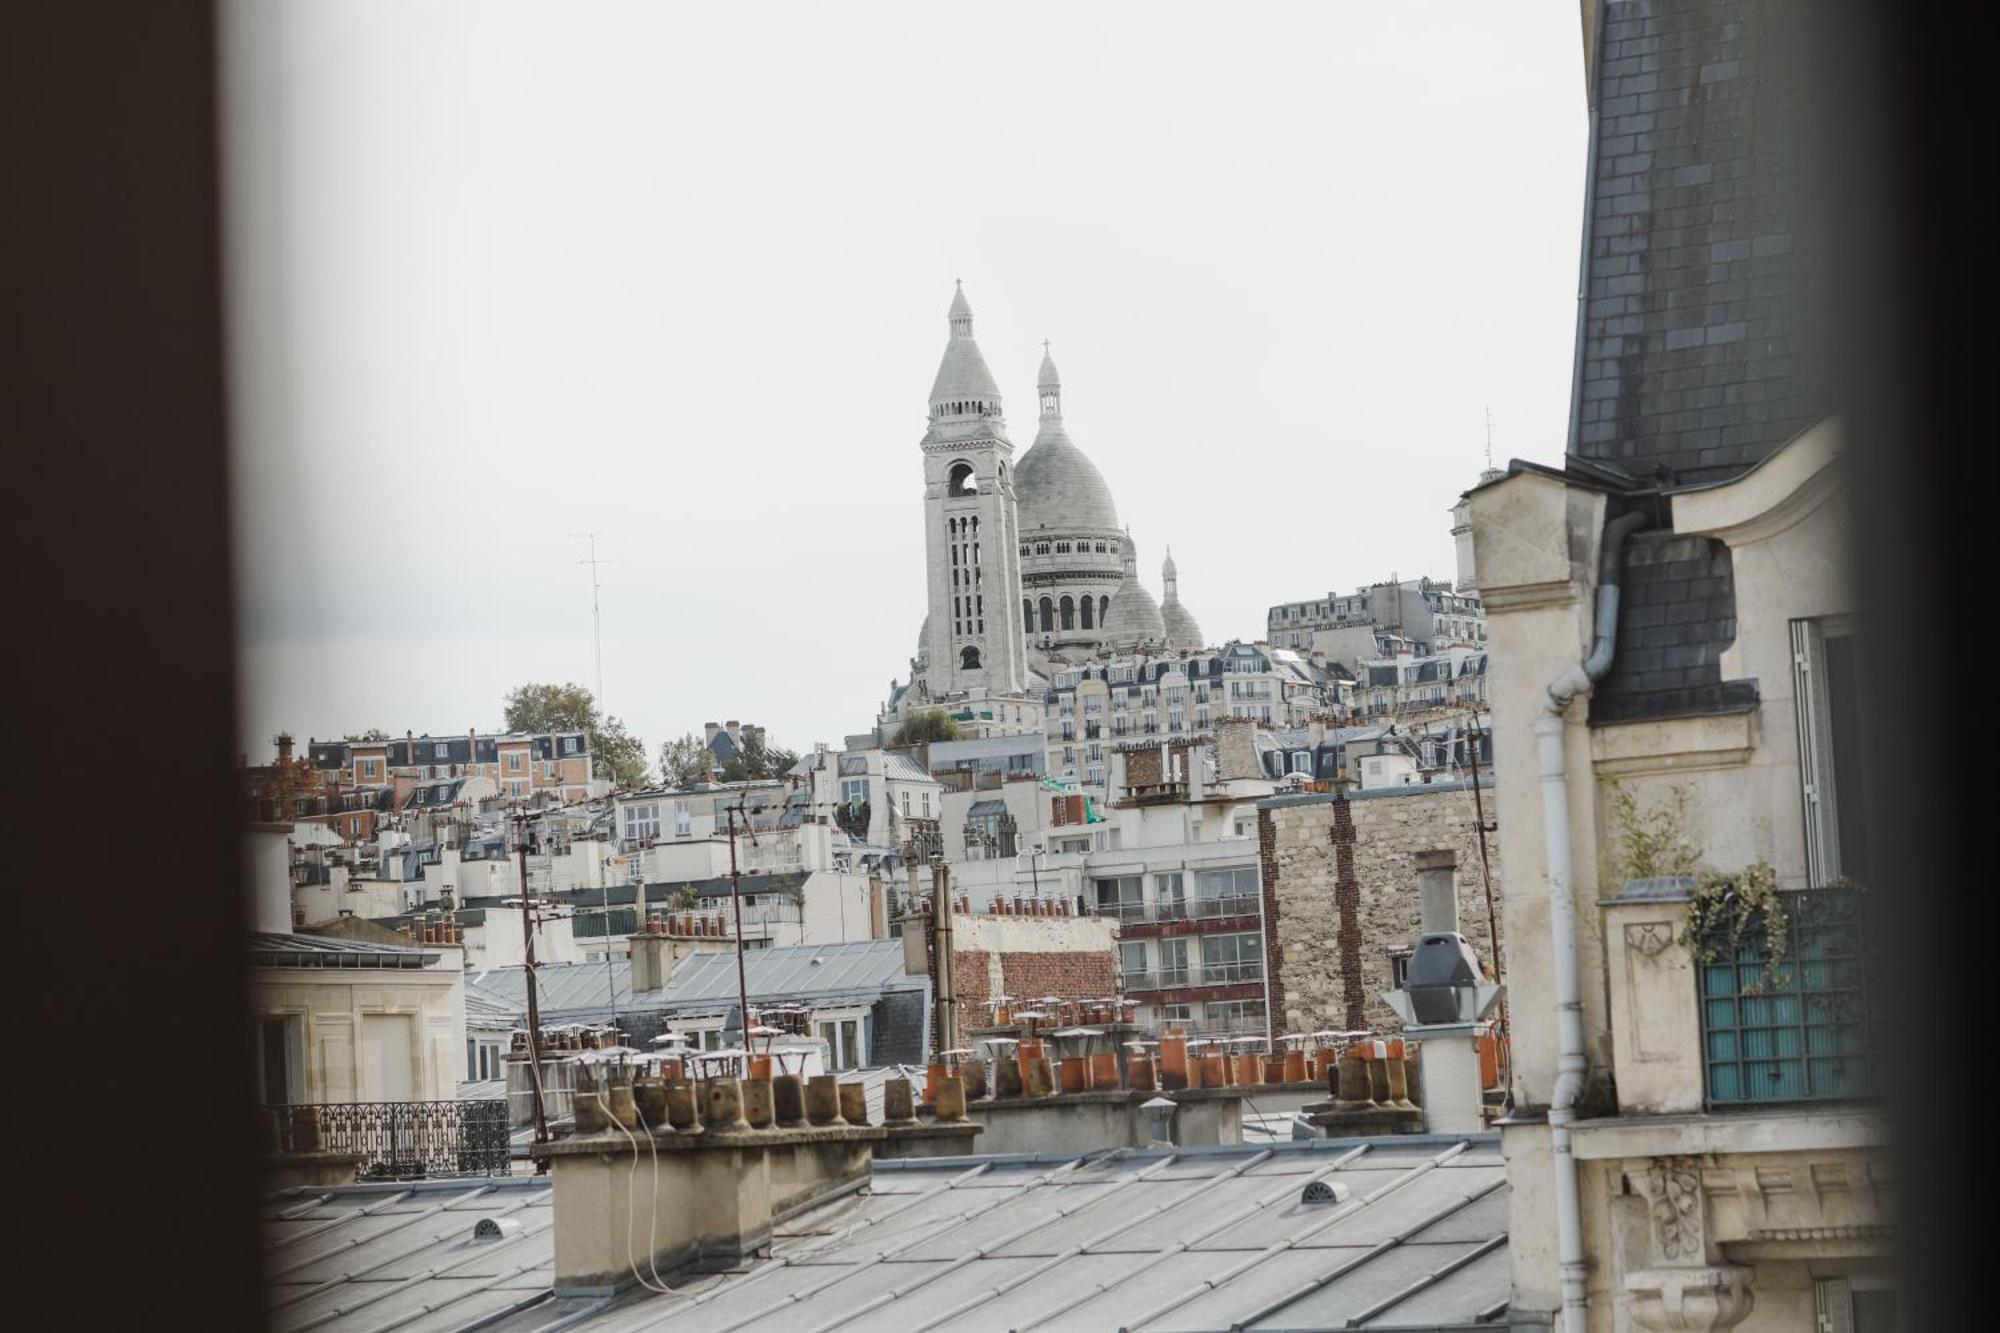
<point>495,1228</point>
<point>1318,1192</point>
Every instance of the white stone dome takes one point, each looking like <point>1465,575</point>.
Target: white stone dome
<point>1182,631</point>
<point>1058,488</point>
<point>1134,619</point>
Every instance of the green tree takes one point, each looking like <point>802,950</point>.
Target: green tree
<point>758,761</point>
<point>932,724</point>
<point>686,761</point>
<point>615,753</point>
<point>372,734</point>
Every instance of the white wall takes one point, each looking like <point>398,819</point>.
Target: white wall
<point>267,868</point>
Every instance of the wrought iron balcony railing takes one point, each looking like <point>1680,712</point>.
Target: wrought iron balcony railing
<point>401,1140</point>
<point>1802,1029</point>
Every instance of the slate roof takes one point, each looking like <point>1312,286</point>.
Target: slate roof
<point>1164,1240</point>
<point>569,992</point>
<point>800,972</point>
<point>579,992</point>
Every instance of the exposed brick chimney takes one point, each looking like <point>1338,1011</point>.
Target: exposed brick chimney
<point>284,748</point>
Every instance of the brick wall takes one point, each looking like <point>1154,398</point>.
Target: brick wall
<point>1029,957</point>
<point>1142,767</point>
<point>1023,976</point>
<point>1303,839</point>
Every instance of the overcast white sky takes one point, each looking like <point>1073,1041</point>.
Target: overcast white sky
<point>508,272</point>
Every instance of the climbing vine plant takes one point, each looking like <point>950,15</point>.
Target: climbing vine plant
<point>1726,909</point>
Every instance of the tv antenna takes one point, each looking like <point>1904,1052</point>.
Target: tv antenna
<point>596,616</point>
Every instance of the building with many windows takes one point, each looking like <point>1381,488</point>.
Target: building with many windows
<point>1426,614</point>
<point>383,774</point>
<point>1094,707</point>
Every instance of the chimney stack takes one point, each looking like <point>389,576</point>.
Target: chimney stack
<point>1437,884</point>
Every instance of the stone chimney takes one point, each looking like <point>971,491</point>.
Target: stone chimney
<point>661,1175</point>
<point>653,960</point>
<point>1437,886</point>
<point>284,742</point>
<point>1236,749</point>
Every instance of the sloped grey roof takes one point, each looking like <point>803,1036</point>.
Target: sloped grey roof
<point>1192,1239</point>
<point>898,765</point>
<point>1057,489</point>
<point>806,971</point>
<point>275,950</point>
<point>986,809</point>
<point>569,992</point>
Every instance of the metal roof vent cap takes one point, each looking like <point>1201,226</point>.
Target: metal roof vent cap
<point>1319,1192</point>
<point>488,1229</point>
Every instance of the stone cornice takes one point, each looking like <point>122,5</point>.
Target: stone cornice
<point>1532,596</point>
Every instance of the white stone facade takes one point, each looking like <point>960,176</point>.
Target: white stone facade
<point>1720,1218</point>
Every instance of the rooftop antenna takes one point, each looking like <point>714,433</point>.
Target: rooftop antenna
<point>1489,439</point>
<point>596,618</point>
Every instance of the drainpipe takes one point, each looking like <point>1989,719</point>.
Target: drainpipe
<point>1562,911</point>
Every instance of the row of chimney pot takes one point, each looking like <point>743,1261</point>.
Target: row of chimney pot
<point>554,1040</point>
<point>612,1098</point>
<point>1019,906</point>
<point>1368,1072</point>
<point>1065,1013</point>
<point>434,932</point>
<point>699,924</point>
<point>1366,1075</point>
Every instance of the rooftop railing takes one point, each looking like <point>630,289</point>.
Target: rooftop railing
<point>400,1140</point>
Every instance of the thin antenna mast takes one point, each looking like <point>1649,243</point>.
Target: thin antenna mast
<point>596,616</point>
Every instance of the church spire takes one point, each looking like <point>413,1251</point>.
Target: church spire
<point>1050,384</point>
<point>961,312</point>
<point>964,390</point>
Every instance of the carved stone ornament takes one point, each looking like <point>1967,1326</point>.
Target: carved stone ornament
<point>1674,1205</point>
<point>1649,937</point>
<point>1691,1300</point>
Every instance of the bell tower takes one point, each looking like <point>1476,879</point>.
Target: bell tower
<point>971,530</point>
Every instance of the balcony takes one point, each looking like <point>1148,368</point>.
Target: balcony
<point>1183,909</point>
<point>1692,1034</point>
<point>1179,978</point>
<point>1803,1032</point>
<point>400,1140</point>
